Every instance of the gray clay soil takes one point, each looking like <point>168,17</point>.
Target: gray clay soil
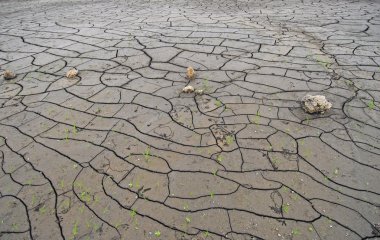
<point>119,152</point>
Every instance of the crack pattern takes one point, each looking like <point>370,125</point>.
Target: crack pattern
<point>119,152</point>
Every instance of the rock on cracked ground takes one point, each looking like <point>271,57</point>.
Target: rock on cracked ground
<point>119,152</point>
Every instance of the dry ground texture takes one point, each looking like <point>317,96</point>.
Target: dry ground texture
<point>119,152</point>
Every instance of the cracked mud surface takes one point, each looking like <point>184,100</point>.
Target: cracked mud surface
<point>119,152</point>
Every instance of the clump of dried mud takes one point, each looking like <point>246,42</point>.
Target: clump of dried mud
<point>315,104</point>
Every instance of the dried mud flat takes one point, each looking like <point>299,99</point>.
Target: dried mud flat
<point>119,152</point>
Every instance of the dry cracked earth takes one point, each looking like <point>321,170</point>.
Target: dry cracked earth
<point>119,152</point>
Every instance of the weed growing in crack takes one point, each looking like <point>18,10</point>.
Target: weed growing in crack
<point>218,103</point>
<point>67,134</point>
<point>133,213</point>
<point>206,234</point>
<point>75,130</point>
<point>186,207</point>
<point>212,194</point>
<point>256,118</point>
<point>147,154</point>
<point>371,105</point>
<point>15,227</point>
<point>219,158</point>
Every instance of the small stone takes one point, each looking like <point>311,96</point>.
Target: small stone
<point>188,89</point>
<point>72,73</point>
<point>8,75</point>
<point>190,73</point>
<point>315,104</point>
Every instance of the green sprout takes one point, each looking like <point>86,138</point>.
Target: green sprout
<point>206,234</point>
<point>219,158</point>
<point>218,103</point>
<point>133,213</point>
<point>157,233</point>
<point>371,105</point>
<point>285,208</point>
<point>229,139</point>
<point>42,210</point>
<point>212,194</point>
<point>75,131</point>
<point>147,154</point>
<point>75,229</point>
<point>66,134</point>
<point>187,220</point>
<point>295,232</point>
<point>205,85</point>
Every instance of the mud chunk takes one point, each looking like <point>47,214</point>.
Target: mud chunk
<point>190,73</point>
<point>8,75</point>
<point>188,89</point>
<point>199,92</point>
<point>315,104</point>
<point>72,73</point>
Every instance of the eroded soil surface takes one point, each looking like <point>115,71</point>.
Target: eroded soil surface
<point>119,152</point>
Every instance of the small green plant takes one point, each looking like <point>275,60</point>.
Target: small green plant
<point>187,220</point>
<point>229,139</point>
<point>157,233</point>
<point>130,185</point>
<point>61,184</point>
<point>256,118</point>
<point>133,213</point>
<point>75,229</point>
<point>205,85</point>
<point>186,207</point>
<point>206,234</point>
<point>66,135</point>
<point>296,232</point>
<point>218,103</point>
<point>212,194</point>
<point>42,210</point>
<point>14,227</point>
<point>285,208</point>
<point>147,154</point>
<point>371,105</point>
<point>75,130</point>
<point>219,158</point>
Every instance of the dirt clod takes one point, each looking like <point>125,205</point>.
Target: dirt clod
<point>315,104</point>
<point>72,73</point>
<point>190,73</point>
<point>188,89</point>
<point>8,74</point>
